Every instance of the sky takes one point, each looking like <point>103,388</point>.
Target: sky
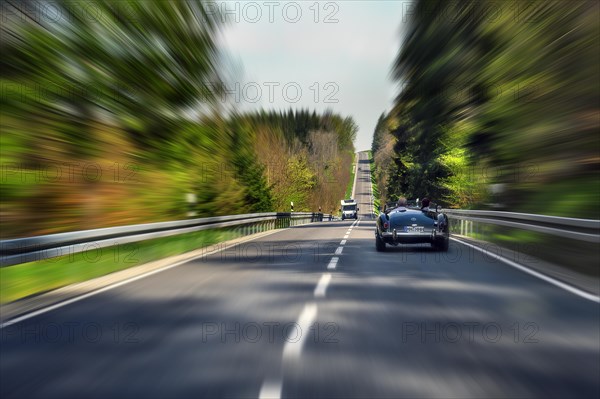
<point>315,55</point>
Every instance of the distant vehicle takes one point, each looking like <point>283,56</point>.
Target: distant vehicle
<point>349,209</point>
<point>411,225</point>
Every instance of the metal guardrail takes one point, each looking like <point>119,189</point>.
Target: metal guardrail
<point>23,250</point>
<point>573,228</point>
<point>29,249</point>
<point>557,220</point>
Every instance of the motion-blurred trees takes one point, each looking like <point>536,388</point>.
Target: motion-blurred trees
<point>305,156</point>
<point>498,97</point>
<point>112,113</point>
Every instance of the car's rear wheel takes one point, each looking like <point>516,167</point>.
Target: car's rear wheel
<point>379,244</point>
<point>441,245</point>
<point>445,245</point>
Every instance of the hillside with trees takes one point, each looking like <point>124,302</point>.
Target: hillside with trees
<point>118,119</point>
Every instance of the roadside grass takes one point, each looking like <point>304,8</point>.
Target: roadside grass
<point>580,256</point>
<point>28,279</point>
<point>351,182</point>
<point>376,194</point>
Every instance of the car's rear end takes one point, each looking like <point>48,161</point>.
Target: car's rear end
<point>409,227</point>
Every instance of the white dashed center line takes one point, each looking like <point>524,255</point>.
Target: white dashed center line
<point>292,349</point>
<point>321,288</point>
<point>270,389</point>
<point>295,342</point>
<point>333,263</point>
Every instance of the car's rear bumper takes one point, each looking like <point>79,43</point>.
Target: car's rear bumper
<point>399,237</point>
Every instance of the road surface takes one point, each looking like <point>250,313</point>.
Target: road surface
<point>279,317</point>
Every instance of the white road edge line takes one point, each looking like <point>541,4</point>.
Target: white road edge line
<point>321,287</point>
<point>339,250</point>
<point>293,349</point>
<point>560,284</point>
<point>120,283</point>
<point>343,242</point>
<point>333,263</point>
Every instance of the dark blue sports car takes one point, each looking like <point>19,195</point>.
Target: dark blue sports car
<point>412,225</point>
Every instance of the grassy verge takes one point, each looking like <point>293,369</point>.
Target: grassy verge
<point>376,194</point>
<point>352,173</point>
<point>580,256</point>
<point>34,278</point>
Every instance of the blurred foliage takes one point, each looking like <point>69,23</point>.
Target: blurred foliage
<point>115,116</point>
<point>306,157</point>
<point>376,193</point>
<point>350,185</point>
<point>499,105</point>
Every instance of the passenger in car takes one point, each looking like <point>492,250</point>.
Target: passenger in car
<point>425,204</point>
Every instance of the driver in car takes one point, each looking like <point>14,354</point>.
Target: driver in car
<point>402,203</point>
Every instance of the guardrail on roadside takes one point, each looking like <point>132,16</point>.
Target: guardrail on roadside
<point>29,249</point>
<point>578,229</point>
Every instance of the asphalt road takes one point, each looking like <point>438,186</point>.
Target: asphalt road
<point>276,317</point>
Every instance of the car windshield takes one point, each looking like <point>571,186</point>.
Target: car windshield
<point>349,207</point>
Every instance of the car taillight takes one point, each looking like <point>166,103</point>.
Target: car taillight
<point>386,225</point>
